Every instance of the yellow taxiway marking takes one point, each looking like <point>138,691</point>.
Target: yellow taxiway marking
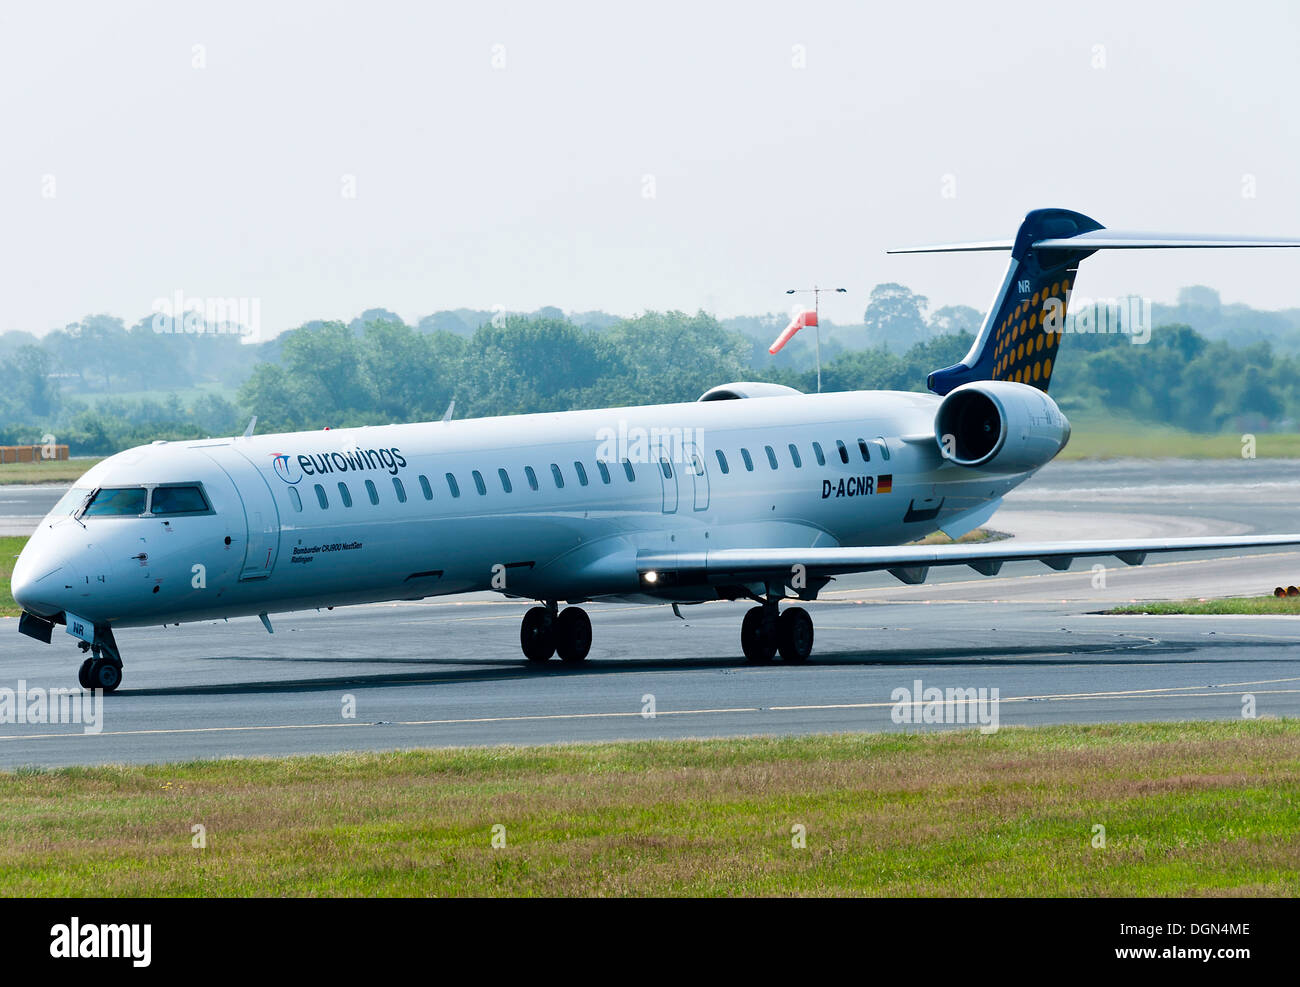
<point>1169,692</point>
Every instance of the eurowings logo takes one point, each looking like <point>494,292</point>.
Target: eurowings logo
<point>285,468</point>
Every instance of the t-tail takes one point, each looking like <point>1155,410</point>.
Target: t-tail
<point>1022,330</point>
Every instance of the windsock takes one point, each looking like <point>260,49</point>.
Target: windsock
<point>798,322</point>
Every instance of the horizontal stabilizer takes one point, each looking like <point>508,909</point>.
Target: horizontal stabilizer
<point>1110,240</point>
<point>954,248</point>
<point>1133,240</point>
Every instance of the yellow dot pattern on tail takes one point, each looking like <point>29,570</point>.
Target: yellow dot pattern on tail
<point>1026,340</point>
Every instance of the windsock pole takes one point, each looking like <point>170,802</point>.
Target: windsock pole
<point>817,322</point>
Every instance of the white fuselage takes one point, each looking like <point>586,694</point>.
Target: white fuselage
<point>268,545</point>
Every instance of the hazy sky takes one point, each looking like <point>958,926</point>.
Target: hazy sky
<point>625,157</point>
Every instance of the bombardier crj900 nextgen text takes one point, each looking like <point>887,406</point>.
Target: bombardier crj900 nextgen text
<point>754,492</point>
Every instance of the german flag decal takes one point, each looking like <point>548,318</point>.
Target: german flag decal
<point>885,483</point>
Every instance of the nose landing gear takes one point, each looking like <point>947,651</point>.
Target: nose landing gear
<point>103,669</point>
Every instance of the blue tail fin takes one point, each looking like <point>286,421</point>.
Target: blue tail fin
<point>1020,335</point>
<point>1011,344</point>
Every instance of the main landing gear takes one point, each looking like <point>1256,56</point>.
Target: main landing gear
<point>103,669</point>
<point>764,632</point>
<point>546,632</point>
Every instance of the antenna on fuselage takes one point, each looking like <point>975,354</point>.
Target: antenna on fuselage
<point>451,408</point>
<point>252,424</point>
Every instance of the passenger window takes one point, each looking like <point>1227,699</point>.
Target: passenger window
<point>631,474</point>
<point>604,470</point>
<point>453,486</point>
<point>505,480</point>
<point>698,464</point>
<point>398,488</point>
<point>582,473</point>
<point>295,500</point>
<point>668,470</point>
<point>479,485</point>
<point>116,502</point>
<point>794,456</point>
<point>722,462</point>
<point>345,494</point>
<point>558,477</point>
<point>749,463</point>
<point>844,453</point>
<point>372,493</point>
<point>884,446</point>
<point>425,488</point>
<point>771,457</point>
<point>532,477</point>
<point>178,500</point>
<point>320,496</point>
<point>821,456</point>
<point>866,453</point>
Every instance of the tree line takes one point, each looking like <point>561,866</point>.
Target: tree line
<point>340,374</point>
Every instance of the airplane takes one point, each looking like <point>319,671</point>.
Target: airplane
<point>756,492</point>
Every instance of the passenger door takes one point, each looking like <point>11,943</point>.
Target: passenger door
<point>261,516</point>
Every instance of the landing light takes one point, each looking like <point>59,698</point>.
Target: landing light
<point>651,577</point>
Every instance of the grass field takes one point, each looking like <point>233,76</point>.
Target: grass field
<point>970,538</point>
<point>1188,809</point>
<point>1142,441</point>
<point>1233,605</point>
<point>186,395</point>
<point>49,471</point>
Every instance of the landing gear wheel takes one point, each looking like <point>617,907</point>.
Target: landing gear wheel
<point>572,635</point>
<point>537,635</point>
<point>104,674</point>
<point>756,637</point>
<point>83,673</point>
<point>794,635</point>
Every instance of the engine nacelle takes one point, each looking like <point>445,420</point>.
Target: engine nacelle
<point>748,389</point>
<point>1000,425</point>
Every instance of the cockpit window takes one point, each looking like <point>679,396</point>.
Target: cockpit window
<point>116,502</point>
<point>178,500</point>
<point>70,501</point>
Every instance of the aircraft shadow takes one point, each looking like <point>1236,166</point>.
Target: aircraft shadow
<point>453,671</point>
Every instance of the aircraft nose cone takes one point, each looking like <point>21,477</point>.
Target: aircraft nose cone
<point>60,571</point>
<point>34,584</point>
<point>34,591</point>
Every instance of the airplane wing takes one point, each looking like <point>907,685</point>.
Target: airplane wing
<point>910,563</point>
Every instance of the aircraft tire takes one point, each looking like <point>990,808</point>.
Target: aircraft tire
<point>757,640</point>
<point>537,635</point>
<point>105,675</point>
<point>572,635</point>
<point>794,635</point>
